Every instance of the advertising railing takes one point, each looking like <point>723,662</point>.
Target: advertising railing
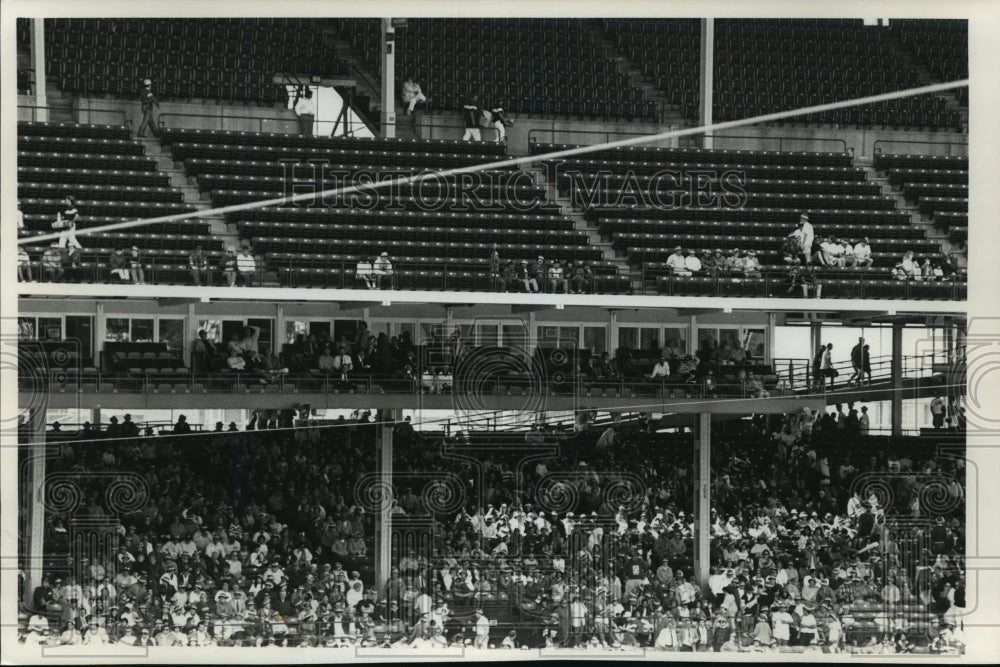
<point>35,108</point>
<point>840,145</point>
<point>289,123</point>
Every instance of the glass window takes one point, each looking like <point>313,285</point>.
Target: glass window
<point>212,328</point>
<point>639,338</point>
<point>487,335</point>
<point>172,333</point>
<point>675,341</point>
<point>595,339</point>
<point>319,329</point>
<point>628,337</point>
<point>117,330</point>
<point>708,338</point>
<point>514,335</point>
<point>50,328</point>
<point>407,328</point>
<point>649,338</point>
<point>293,328</point>
<point>755,344</point>
<point>81,328</point>
<point>142,331</point>
<point>569,337</point>
<point>26,328</point>
<point>266,340</point>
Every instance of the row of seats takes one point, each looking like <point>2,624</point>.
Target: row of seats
<point>234,59</point>
<point>610,227</point>
<point>938,184</point>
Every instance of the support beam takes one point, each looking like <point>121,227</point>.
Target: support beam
<point>815,340</point>
<point>896,368</point>
<point>383,548</point>
<point>388,79</point>
<point>702,499</point>
<point>38,65</point>
<point>707,66</point>
<point>34,435</point>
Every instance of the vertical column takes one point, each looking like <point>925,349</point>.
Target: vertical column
<point>702,498</point>
<point>35,437</point>
<point>772,324</point>
<point>815,340</point>
<point>38,65</point>
<point>896,369</point>
<point>383,442</point>
<point>706,78</point>
<point>692,342</point>
<point>388,79</point>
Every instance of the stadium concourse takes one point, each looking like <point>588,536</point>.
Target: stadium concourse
<point>646,445</point>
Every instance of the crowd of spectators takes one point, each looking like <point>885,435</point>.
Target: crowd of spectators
<point>801,559</point>
<point>234,537</point>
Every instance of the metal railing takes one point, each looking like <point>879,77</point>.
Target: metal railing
<point>427,275</point>
<point>683,142</point>
<point>801,374</point>
<point>125,121</point>
<point>457,130</point>
<point>962,145</point>
<point>291,121</point>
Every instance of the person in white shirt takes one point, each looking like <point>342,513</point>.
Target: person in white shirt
<point>305,109</point>
<point>863,254</point>
<point>342,363</point>
<point>847,254</point>
<point>692,263</point>
<point>831,252</point>
<point>661,369</point>
<point>751,265</point>
<point>412,95</point>
<point>909,266</point>
<point>246,265</point>
<point>382,270</point>
<point>808,234</point>
<point>482,630</point>
<point>677,263</point>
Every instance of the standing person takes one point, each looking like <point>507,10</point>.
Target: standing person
<point>495,282</point>
<point>866,363</point>
<point>228,266</point>
<point>471,113</point>
<point>864,423</point>
<point>818,367</point>
<point>305,109</point>
<point>66,224</point>
<point>412,95</point>
<point>148,100</point>
<point>938,408</point>
<point>501,121</point>
<point>23,265</point>
<point>135,266</point>
<point>828,369</point>
<point>482,630</point>
<point>198,263</point>
<point>808,235</point>
<point>856,354</point>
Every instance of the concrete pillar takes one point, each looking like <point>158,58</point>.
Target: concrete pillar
<point>35,436</point>
<point>896,367</point>
<point>692,342</point>
<point>815,340</point>
<point>388,79</point>
<point>772,324</point>
<point>706,77</point>
<point>702,498</point>
<point>38,65</point>
<point>383,463</point>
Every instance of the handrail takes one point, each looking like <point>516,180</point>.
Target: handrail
<point>260,124</point>
<point>532,137</point>
<point>460,129</point>
<point>878,143</point>
<point>126,122</point>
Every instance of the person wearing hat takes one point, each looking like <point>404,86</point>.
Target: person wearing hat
<point>135,266</point>
<point>482,629</point>
<point>863,254</point>
<point>246,267</point>
<point>148,100</point>
<point>751,265</point>
<point>228,265</point>
<point>807,625</point>
<point>382,271</point>
<point>526,276</point>
<point>305,109</point>
<point>808,235</point>
<point>692,263</point>
<point>676,263</point>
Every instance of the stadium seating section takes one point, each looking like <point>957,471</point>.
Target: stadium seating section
<point>939,184</point>
<point>778,186</point>
<point>228,59</point>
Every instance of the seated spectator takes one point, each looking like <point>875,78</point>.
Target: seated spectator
<point>203,352</point>
<point>791,248</point>
<point>236,362</point>
<point>526,274</point>
<point>909,266</point>
<point>751,265</point>
<point>688,368</point>
<point>691,263</point>
<point>198,264</point>
<point>325,362</point>
<point>382,271</point>
<point>926,270</point>
<point>661,369</point>
<point>734,262</point>
<point>229,266</point>
<point>676,263</point>
<point>118,266</point>
<point>412,95</point>
<point>863,254</point>
<point>557,281</point>
<point>365,273</point>
<point>583,279</point>
<point>831,252</point>
<point>343,363</point>
<point>509,279</point>
<point>23,265</point>
<point>246,265</point>
<point>540,272</point>
<point>849,260</point>
<point>755,387</point>
<point>135,267</point>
